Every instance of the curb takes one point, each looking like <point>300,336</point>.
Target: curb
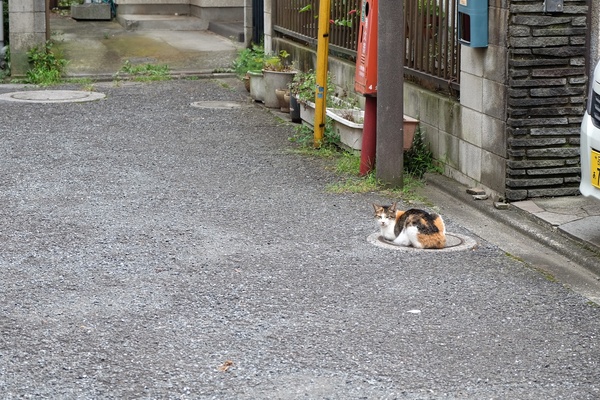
<point>109,77</point>
<point>582,252</point>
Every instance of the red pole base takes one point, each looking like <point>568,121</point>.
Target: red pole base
<point>369,140</point>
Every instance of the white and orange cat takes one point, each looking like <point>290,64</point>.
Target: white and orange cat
<point>413,227</point>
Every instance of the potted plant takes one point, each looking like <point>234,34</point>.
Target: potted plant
<point>277,75</point>
<point>303,88</point>
<point>348,125</point>
<point>248,66</point>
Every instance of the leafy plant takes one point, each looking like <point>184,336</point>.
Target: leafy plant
<point>69,3</point>
<point>46,65</point>
<point>349,17</point>
<point>277,62</point>
<point>249,59</point>
<point>304,85</point>
<point>419,159</point>
<point>146,72</point>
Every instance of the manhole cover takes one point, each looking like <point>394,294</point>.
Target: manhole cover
<point>223,105</point>
<point>52,96</point>
<point>454,242</point>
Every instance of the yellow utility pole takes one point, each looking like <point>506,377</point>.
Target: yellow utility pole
<point>321,74</point>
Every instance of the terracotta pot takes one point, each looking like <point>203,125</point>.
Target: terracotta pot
<point>246,80</point>
<point>280,94</point>
<point>287,100</point>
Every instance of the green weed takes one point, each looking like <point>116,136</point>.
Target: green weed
<point>304,136</point>
<point>249,59</point>
<point>348,167</point>
<point>419,159</point>
<point>146,72</point>
<point>47,65</point>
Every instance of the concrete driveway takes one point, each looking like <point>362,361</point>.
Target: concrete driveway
<point>100,48</point>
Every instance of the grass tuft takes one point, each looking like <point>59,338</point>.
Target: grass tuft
<point>146,72</point>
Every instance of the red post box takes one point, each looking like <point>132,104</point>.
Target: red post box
<point>365,79</point>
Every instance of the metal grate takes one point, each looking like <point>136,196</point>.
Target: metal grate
<point>432,50</point>
<point>595,109</point>
<point>297,19</point>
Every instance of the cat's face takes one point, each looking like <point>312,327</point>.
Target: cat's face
<point>385,215</point>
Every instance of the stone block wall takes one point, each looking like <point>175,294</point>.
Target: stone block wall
<point>546,98</point>
<point>28,28</point>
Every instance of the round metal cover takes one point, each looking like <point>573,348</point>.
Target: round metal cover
<point>454,242</point>
<point>222,105</point>
<point>52,96</point>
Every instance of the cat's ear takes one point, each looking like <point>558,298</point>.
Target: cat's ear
<point>377,207</point>
<point>393,206</point>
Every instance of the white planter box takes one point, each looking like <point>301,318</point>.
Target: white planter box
<point>307,112</point>
<point>350,132</point>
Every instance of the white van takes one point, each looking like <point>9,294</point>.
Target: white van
<point>590,141</point>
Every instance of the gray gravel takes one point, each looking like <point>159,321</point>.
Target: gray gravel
<point>145,243</point>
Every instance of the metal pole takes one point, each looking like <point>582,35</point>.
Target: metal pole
<point>321,74</point>
<point>390,93</point>
<point>369,141</point>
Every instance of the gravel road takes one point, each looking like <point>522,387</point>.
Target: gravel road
<point>154,250</point>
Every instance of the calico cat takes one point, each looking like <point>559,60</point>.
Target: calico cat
<point>413,227</point>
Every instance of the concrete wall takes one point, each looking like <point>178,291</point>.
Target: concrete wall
<point>481,133</point>
<point>28,28</point>
<point>211,10</point>
<point>218,10</point>
<point>268,29</point>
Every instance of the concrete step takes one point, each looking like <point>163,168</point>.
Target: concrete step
<point>232,30</point>
<point>162,22</point>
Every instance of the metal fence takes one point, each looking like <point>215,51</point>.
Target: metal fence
<point>297,19</point>
<point>432,53</point>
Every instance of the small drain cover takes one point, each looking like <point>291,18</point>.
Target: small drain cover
<point>52,96</point>
<point>454,242</point>
<point>222,105</point>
